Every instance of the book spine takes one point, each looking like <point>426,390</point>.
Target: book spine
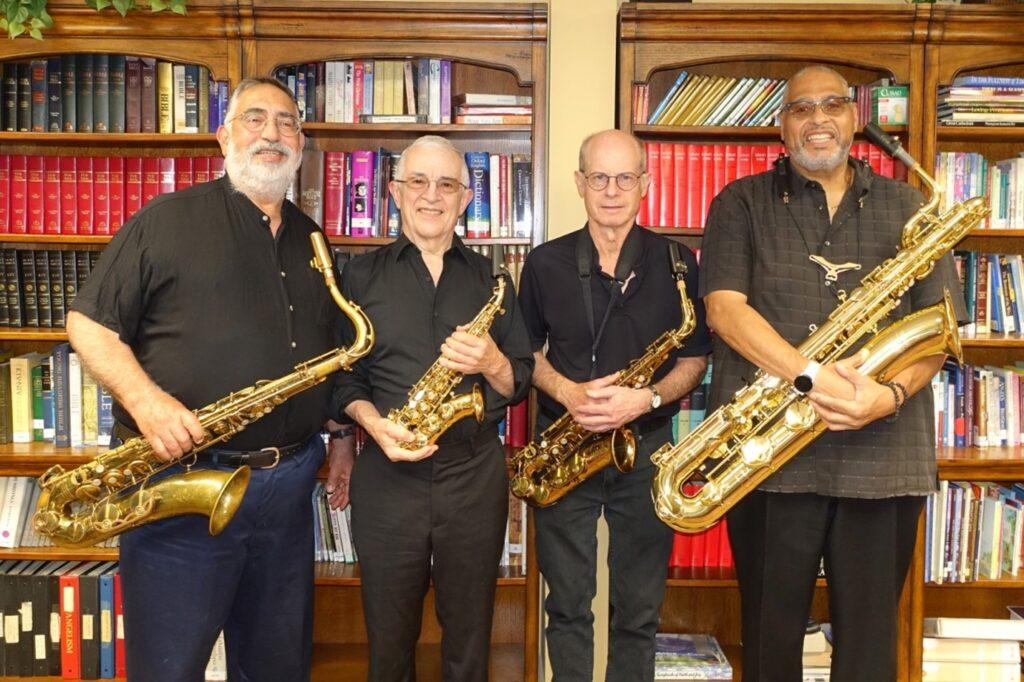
<point>71,665</point>
<point>42,267</point>
<point>36,192</point>
<point>165,111</point>
<point>40,99</point>
<point>84,166</point>
<point>115,192</point>
<point>101,93</point>
<point>362,188</point>
<point>133,192</point>
<point>24,123</point>
<point>69,92</point>
<point>19,194</point>
<point>51,194</point>
<point>188,81</point>
<point>132,95</point>
<point>478,213</point>
<point>9,98</point>
<point>83,93</point>
<point>116,106</point>
<point>5,193</point>
<point>101,195</point>
<point>61,395</point>
<point>68,195</point>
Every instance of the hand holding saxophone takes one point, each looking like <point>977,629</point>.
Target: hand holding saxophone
<point>868,402</point>
<point>389,436</point>
<point>607,406</point>
<point>171,428</point>
<point>468,354</point>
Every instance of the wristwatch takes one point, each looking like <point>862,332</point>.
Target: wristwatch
<point>655,397</point>
<point>805,380</point>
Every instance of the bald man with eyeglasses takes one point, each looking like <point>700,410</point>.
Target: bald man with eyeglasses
<point>596,298</point>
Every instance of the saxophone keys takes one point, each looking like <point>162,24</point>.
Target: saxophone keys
<point>756,452</point>
<point>800,416</point>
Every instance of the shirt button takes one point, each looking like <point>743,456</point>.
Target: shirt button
<point>827,283</point>
<point>283,274</point>
<point>291,308</point>
<point>294,344</point>
<point>827,243</point>
<point>265,218</point>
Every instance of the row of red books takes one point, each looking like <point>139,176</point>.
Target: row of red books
<point>89,195</point>
<point>708,549</point>
<point>685,177</point>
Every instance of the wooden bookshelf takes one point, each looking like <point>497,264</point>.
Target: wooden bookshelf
<point>494,47</point>
<point>921,45</point>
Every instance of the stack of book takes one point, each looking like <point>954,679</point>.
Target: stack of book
<point>978,406</point>
<point>982,649</point>
<point>817,654</point>
<point>372,90</point>
<point>689,657</point>
<point>881,102</point>
<point>90,194</point>
<point>964,175</point>
<point>493,109</point>
<point>982,101</point>
<point>973,531</point>
<point>700,100</point>
<point>993,285</point>
<point>110,93</point>
<point>19,497</point>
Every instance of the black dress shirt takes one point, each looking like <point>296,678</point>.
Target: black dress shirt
<point>412,317</point>
<point>210,302</point>
<point>760,233</point>
<point>552,302</point>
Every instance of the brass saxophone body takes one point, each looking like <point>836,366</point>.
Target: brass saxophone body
<point>567,454</point>
<point>111,493</point>
<point>768,422</point>
<point>433,406</point>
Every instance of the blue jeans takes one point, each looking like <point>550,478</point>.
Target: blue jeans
<point>639,547</point>
<point>181,586</point>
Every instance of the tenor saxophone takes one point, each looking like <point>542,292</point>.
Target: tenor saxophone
<point>112,493</point>
<point>568,454</point>
<point>768,422</point>
<point>432,406</point>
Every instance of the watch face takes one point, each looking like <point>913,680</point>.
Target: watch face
<point>803,383</point>
<point>655,401</point>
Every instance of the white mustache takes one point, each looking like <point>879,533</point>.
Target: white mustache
<point>269,147</point>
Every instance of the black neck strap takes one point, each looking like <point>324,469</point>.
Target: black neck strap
<point>628,255</point>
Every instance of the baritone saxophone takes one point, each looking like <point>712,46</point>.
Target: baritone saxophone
<point>769,422</point>
<point>112,493</point>
<point>567,454</point>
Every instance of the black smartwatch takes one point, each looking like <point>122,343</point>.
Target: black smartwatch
<point>804,382</point>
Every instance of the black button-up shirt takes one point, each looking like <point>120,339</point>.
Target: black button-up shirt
<point>210,302</point>
<point>552,301</point>
<point>759,245</point>
<point>411,319</point>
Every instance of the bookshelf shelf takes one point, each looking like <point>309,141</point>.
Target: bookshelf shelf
<point>10,334</point>
<point>992,340</point>
<point>79,239</point>
<point>1006,582</point>
<point>54,553</point>
<point>412,129</point>
<point>980,134</point>
<point>990,464</point>
<point>111,139</point>
<point>726,132</point>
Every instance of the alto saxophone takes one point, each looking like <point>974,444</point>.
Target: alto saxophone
<point>768,422</point>
<point>111,493</point>
<point>432,406</point>
<point>567,453</point>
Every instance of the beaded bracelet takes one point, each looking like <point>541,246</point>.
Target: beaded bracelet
<point>896,398</point>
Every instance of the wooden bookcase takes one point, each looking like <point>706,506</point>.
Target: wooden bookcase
<point>921,45</point>
<point>494,48</point>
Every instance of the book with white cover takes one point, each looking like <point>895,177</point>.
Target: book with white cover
<point>945,671</point>
<point>971,650</point>
<point>217,666</point>
<point>974,628</point>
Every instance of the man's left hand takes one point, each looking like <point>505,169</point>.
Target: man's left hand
<point>871,400</point>
<point>617,405</point>
<point>468,354</point>
<point>341,457</point>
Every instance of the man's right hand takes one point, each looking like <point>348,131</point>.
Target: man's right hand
<point>581,406</point>
<point>171,428</point>
<point>387,434</point>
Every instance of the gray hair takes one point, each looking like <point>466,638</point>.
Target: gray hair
<point>641,150</point>
<point>814,68</point>
<point>253,82</point>
<point>434,142</point>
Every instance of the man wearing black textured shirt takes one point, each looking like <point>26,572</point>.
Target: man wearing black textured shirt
<point>778,249</point>
<point>437,512</point>
<point>626,279</point>
<point>204,292</point>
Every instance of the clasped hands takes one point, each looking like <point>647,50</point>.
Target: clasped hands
<point>600,405</point>
<point>846,399</point>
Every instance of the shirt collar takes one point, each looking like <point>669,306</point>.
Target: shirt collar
<point>249,210</point>
<point>789,181</point>
<point>636,233</point>
<point>403,244</point>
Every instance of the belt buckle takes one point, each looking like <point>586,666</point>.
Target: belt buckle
<point>277,456</point>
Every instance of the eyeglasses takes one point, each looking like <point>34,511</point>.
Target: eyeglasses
<point>418,183</point>
<point>625,181</point>
<point>255,120</point>
<point>804,108</point>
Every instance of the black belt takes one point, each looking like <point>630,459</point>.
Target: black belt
<point>468,447</point>
<point>264,458</point>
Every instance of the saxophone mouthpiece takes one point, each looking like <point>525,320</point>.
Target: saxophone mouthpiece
<point>889,144</point>
<point>497,261</point>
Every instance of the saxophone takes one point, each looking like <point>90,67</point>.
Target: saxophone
<point>768,422</point>
<point>567,453</point>
<point>111,493</point>
<point>432,406</point>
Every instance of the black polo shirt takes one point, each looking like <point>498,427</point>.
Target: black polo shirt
<point>411,319</point>
<point>552,301</point>
<point>210,302</point>
<point>760,233</point>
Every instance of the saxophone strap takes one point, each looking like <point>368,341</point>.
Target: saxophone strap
<point>628,255</point>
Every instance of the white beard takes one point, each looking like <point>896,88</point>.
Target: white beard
<point>821,163</point>
<point>261,182</point>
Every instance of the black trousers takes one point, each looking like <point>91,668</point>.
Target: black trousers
<point>451,508</point>
<point>638,551</point>
<point>778,541</point>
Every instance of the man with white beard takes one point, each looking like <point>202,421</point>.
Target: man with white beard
<point>204,292</point>
<point>780,248</point>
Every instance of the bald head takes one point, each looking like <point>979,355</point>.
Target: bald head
<point>613,140</point>
<point>815,72</point>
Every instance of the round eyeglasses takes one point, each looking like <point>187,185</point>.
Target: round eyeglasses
<point>625,181</point>
<point>418,183</point>
<point>255,121</point>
